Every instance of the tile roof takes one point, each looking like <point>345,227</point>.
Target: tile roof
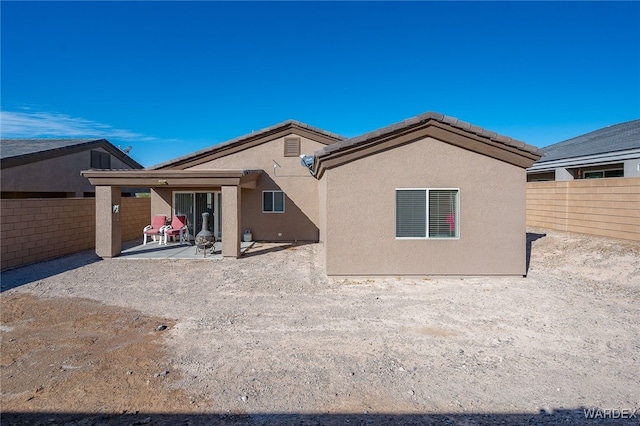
<point>413,121</point>
<point>618,137</point>
<point>250,136</point>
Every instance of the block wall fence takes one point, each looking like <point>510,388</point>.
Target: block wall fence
<point>33,230</point>
<point>604,207</point>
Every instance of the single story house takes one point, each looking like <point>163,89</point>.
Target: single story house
<point>613,151</point>
<point>50,168</point>
<point>430,195</point>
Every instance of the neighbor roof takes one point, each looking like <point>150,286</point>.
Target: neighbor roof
<point>249,140</point>
<point>618,137</point>
<point>15,152</point>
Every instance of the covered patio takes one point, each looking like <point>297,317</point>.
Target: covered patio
<point>108,185</point>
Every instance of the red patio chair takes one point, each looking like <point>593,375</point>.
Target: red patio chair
<point>177,228</point>
<point>158,223</point>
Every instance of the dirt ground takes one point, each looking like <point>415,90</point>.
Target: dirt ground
<point>269,339</point>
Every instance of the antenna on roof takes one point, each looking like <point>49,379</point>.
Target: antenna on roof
<point>126,150</point>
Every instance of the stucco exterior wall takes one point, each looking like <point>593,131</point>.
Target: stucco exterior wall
<point>60,174</point>
<point>300,220</point>
<point>605,207</point>
<point>33,230</point>
<point>161,201</point>
<point>360,205</point>
<point>322,206</point>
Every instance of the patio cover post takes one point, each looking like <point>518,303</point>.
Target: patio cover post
<point>108,222</point>
<point>231,221</point>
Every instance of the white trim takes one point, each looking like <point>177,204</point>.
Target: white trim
<point>273,201</point>
<point>427,237</point>
<point>596,159</point>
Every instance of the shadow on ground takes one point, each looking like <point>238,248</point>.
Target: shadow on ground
<point>260,249</point>
<point>17,277</point>
<point>531,237</point>
<point>577,416</point>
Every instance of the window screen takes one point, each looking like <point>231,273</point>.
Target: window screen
<point>411,215</point>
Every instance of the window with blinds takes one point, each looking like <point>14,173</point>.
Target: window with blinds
<point>427,213</point>
<point>411,217</point>
<point>291,147</point>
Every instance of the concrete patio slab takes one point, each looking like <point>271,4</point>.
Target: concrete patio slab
<point>136,250</point>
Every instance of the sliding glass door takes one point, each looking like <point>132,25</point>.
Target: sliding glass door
<point>193,204</point>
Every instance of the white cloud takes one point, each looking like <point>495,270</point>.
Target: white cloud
<point>25,124</point>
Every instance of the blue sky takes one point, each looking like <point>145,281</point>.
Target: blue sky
<point>171,78</point>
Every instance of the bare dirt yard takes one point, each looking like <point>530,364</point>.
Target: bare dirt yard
<point>269,339</point>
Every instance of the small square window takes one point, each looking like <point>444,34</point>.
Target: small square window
<point>291,147</point>
<point>272,202</point>
<point>100,160</point>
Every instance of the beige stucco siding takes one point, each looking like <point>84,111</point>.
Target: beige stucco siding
<point>322,207</point>
<point>162,201</point>
<point>59,174</point>
<point>300,220</point>
<point>360,213</point>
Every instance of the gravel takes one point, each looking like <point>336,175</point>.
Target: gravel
<point>270,333</point>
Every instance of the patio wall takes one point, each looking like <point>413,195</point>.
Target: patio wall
<point>33,230</point>
<point>604,207</point>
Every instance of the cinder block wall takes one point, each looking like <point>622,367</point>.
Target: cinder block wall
<point>604,207</point>
<point>33,230</point>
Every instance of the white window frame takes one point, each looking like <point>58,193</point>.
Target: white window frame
<point>273,191</point>
<point>427,237</point>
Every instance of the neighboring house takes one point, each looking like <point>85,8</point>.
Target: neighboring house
<point>428,195</point>
<point>613,151</point>
<point>50,168</point>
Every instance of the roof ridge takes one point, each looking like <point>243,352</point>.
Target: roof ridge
<point>424,117</point>
<point>247,136</point>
